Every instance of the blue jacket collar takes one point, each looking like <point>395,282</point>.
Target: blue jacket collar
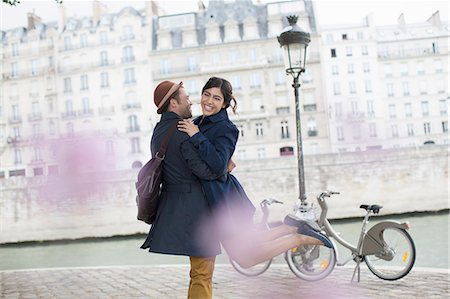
<point>220,116</point>
<point>169,115</point>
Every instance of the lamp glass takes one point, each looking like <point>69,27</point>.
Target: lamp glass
<point>294,58</point>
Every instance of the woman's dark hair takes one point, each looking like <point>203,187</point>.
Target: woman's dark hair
<point>225,88</point>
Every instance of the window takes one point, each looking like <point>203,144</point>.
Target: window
<point>344,36</point>
<point>104,79</point>
<point>127,32</point>
<point>261,153</point>
<point>14,70</point>
<point>85,104</point>
<point>284,129</point>
<point>259,129</point>
<point>37,154</point>
<point>191,64</point>
<point>392,112</point>
<point>241,130</point>
<point>336,88</point>
<point>17,156</point>
<point>423,87</point>
<point>280,78</point>
<point>67,43</point>
<point>350,68</point>
<point>368,86</point>
<point>83,40</point>
<point>405,86</point>
<point>394,130</point>
<point>236,81</point>
<point>360,35</point>
<point>34,67</point>
<point>438,66</point>
<point>193,87</point>
<point>109,147</point>
<point>133,123</point>
<point>103,37</point>
<point>420,68</point>
<point>338,110</point>
<point>356,131</point>
<point>372,130</point>
<point>135,145</point>
<point>69,107</point>
<point>164,67</point>
<point>440,86</point>
<point>390,89</point>
<point>252,54</point>
<point>404,69</point>
<point>370,110</point>
<point>16,132</point>
<point>255,80</point>
<point>352,87</point>
<point>127,54</point>
<point>410,129</point>
<point>51,128</point>
<point>364,50</point>
<point>425,109</point>
<point>67,85</point>
<point>426,128</point>
<point>348,51</point>
<point>366,67</point>
<point>330,37</point>
<point>15,112</point>
<point>38,171</point>
<point>69,130</point>
<point>408,110</point>
<point>354,105</point>
<point>445,126</point>
<point>234,56</point>
<point>35,108</point>
<point>84,84</point>
<point>334,69</point>
<point>388,70</point>
<point>103,58</point>
<point>333,53</point>
<point>312,127</point>
<point>14,49</point>
<point>287,151</point>
<point>340,133</point>
<point>129,76</point>
<point>443,107</point>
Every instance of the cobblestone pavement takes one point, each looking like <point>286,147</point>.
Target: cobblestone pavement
<point>171,282</point>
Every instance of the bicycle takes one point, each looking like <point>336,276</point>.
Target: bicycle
<point>387,248</point>
<point>264,224</point>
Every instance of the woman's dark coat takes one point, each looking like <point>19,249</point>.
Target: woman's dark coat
<point>216,143</point>
<point>179,226</point>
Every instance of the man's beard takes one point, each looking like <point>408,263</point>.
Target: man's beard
<point>187,113</point>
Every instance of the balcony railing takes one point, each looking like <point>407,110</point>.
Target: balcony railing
<point>312,133</point>
<point>68,114</point>
<point>131,106</point>
<point>15,119</point>
<point>85,112</point>
<point>35,116</point>
<point>106,110</point>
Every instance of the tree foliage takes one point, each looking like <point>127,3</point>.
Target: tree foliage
<point>15,2</point>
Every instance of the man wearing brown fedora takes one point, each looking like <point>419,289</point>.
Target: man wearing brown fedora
<point>178,228</point>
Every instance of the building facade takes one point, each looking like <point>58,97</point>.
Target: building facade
<point>83,87</point>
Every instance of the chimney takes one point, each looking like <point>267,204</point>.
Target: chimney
<point>401,22</point>
<point>435,19</point>
<point>33,20</point>
<point>61,17</point>
<point>98,9</point>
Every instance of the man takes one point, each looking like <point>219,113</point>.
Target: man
<point>178,226</point>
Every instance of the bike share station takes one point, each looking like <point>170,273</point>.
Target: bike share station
<point>387,248</point>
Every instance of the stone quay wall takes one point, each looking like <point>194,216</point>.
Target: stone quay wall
<point>72,207</point>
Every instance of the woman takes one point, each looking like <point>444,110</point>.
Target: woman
<point>215,137</point>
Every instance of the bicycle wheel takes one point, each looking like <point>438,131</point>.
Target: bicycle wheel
<point>396,257</point>
<point>311,262</point>
<point>252,271</point>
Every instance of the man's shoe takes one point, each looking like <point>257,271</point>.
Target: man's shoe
<point>297,222</point>
<point>307,231</point>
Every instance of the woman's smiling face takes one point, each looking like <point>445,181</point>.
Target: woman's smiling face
<point>212,101</point>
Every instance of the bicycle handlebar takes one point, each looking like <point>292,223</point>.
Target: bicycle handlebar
<point>328,193</point>
<point>269,201</point>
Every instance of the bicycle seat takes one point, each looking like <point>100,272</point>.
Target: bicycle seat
<point>374,208</point>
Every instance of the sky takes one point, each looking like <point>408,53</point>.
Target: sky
<point>328,12</point>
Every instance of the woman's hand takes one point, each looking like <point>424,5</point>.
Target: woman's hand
<point>187,126</point>
<point>231,165</point>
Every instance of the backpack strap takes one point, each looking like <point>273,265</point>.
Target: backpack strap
<point>165,143</point>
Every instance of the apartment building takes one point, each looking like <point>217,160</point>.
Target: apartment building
<point>387,87</point>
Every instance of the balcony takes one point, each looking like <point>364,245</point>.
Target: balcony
<point>356,116</point>
<point>310,107</point>
<point>85,112</point>
<point>130,106</point>
<point>312,133</point>
<point>68,115</point>
<point>15,119</point>
<point>128,59</point>
<point>133,129</point>
<point>35,116</point>
<point>416,52</point>
<point>106,110</point>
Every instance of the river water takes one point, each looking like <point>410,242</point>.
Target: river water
<point>428,230</point>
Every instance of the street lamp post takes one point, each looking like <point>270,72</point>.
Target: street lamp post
<point>294,42</point>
